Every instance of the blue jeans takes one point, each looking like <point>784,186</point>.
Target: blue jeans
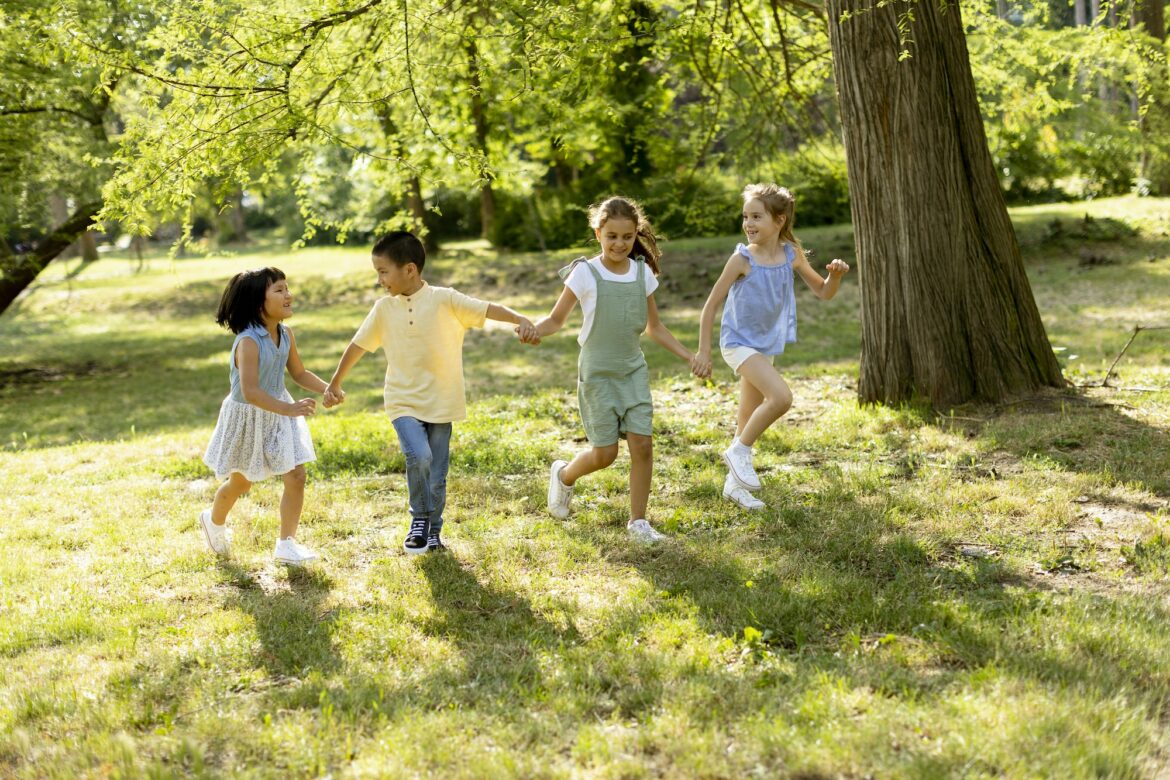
<point>427,447</point>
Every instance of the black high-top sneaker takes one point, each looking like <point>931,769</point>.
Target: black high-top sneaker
<point>416,538</point>
<point>435,542</point>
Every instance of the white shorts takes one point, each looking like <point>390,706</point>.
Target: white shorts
<point>735,356</point>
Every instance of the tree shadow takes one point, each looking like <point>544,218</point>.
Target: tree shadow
<point>157,384</point>
<point>840,589</point>
<point>1074,431</point>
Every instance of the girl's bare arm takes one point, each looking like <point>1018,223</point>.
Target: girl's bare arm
<point>824,288</point>
<point>296,369</point>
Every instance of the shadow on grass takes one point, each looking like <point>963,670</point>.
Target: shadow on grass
<point>1072,431</point>
<point>835,587</point>
<point>294,627</point>
<point>500,638</point>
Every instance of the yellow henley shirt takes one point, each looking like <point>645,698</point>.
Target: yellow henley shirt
<point>422,336</point>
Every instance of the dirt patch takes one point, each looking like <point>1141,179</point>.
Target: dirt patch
<point>1111,525</point>
<point>38,375</point>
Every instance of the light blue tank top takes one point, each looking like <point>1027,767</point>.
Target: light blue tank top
<point>760,312</point>
<point>272,361</point>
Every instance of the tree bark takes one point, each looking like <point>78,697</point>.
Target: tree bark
<point>418,213</point>
<point>18,271</point>
<point>1151,14</point>
<point>487,198</point>
<point>88,244</point>
<point>947,310</point>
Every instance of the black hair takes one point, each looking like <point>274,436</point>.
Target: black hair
<point>243,298</point>
<point>401,247</point>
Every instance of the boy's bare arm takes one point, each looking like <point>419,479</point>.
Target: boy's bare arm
<point>353,353</point>
<point>503,314</point>
<point>524,327</point>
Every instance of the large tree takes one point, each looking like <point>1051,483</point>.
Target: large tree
<point>947,311</point>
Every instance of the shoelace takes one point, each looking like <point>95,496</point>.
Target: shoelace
<point>418,526</point>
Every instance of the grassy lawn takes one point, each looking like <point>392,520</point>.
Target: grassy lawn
<point>979,593</point>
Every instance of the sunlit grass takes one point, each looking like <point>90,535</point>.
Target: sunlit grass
<point>976,593</point>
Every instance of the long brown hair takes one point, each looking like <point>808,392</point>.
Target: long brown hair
<point>778,202</point>
<point>617,207</point>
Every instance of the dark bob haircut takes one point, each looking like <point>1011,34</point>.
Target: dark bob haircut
<point>400,248</point>
<point>243,298</point>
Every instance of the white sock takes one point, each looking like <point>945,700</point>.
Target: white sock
<point>738,446</point>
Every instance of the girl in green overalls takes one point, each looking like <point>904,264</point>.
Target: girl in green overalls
<point>616,291</point>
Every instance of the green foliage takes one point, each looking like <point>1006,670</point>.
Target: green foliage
<point>1057,102</point>
<point>818,179</point>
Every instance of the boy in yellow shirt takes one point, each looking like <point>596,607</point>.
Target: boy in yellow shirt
<point>420,328</point>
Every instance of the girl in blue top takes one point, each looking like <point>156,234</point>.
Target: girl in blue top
<point>758,320</point>
<point>261,430</point>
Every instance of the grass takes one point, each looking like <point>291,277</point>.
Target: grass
<point>981,593</point>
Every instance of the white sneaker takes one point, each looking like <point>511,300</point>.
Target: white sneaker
<point>735,493</point>
<point>642,531</point>
<point>559,494</point>
<point>739,463</point>
<point>293,553</point>
<point>217,536</point>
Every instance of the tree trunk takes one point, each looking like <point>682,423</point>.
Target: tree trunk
<point>1151,14</point>
<point>59,212</point>
<point>236,217</point>
<point>18,271</point>
<point>947,311</point>
<point>487,199</point>
<point>1080,13</point>
<point>89,250</point>
<point>414,197</point>
<point>1156,121</point>
<point>418,213</point>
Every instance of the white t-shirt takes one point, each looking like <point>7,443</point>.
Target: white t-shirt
<point>584,286</point>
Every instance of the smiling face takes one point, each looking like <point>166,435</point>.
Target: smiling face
<point>395,279</point>
<point>759,225</point>
<point>277,302</point>
<point>616,236</point>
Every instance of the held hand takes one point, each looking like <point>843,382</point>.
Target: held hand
<point>526,331</point>
<point>330,397</point>
<point>700,366</point>
<point>333,397</point>
<point>306,407</point>
<point>837,268</point>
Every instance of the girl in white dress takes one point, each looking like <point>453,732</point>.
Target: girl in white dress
<point>261,431</point>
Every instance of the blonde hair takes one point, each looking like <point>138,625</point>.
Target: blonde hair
<point>778,202</point>
<point>646,243</point>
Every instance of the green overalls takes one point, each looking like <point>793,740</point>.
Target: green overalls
<point>613,383</point>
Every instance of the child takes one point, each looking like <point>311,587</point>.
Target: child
<point>758,320</point>
<point>421,329</point>
<point>260,431</point>
<point>613,386</point>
